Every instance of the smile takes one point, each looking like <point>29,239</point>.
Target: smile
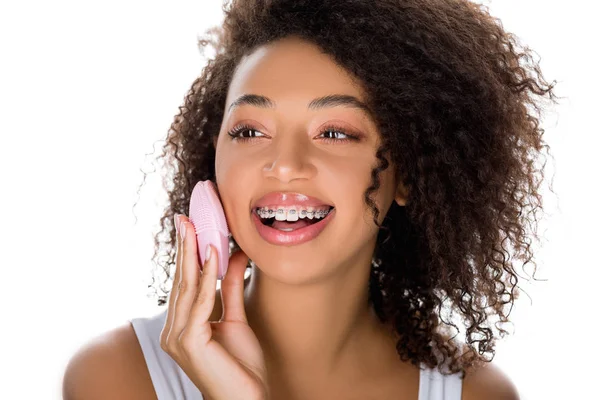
<point>290,230</point>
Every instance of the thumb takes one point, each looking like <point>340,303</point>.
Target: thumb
<point>232,288</point>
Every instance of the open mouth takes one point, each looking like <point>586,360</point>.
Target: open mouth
<point>302,220</point>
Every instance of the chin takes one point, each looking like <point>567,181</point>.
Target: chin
<point>291,270</point>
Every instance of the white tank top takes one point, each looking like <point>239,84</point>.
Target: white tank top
<point>171,383</point>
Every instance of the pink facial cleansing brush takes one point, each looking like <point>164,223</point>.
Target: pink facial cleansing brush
<point>208,218</point>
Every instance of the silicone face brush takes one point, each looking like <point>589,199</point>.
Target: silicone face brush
<point>208,218</point>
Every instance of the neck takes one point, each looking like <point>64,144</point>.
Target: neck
<point>320,328</point>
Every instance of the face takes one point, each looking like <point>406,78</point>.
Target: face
<point>286,146</point>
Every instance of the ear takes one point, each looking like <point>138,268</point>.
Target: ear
<point>215,139</point>
<point>401,195</point>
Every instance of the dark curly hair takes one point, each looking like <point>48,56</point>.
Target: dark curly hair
<point>457,102</point>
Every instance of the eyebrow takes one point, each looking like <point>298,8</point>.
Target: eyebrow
<point>332,100</point>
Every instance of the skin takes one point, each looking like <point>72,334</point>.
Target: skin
<point>307,303</point>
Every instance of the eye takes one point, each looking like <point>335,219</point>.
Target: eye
<point>337,131</point>
<point>238,132</point>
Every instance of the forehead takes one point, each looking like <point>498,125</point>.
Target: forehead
<point>291,66</point>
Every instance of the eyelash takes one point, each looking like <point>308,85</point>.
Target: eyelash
<point>236,130</point>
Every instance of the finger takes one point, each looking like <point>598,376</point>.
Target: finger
<point>178,263</point>
<point>189,281</point>
<point>232,288</point>
<point>204,302</point>
<point>173,293</point>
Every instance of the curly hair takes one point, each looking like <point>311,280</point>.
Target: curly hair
<point>457,102</point>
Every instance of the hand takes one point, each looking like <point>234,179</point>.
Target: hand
<point>222,358</point>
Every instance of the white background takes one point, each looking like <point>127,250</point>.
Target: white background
<point>87,88</point>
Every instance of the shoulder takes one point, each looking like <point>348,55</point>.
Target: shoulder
<point>109,366</point>
<point>488,382</point>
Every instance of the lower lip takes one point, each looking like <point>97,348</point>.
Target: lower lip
<point>298,236</point>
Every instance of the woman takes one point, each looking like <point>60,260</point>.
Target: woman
<point>406,129</point>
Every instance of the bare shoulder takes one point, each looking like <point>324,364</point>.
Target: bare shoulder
<point>488,382</point>
<point>111,366</point>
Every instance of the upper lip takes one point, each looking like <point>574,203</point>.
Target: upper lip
<point>289,199</point>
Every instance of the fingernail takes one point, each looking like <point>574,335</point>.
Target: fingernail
<point>208,251</point>
<point>182,229</point>
<point>176,223</point>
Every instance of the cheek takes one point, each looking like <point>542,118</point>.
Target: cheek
<point>230,168</point>
<point>349,168</point>
<point>347,182</point>
<point>233,176</point>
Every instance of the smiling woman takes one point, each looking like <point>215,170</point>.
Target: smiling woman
<point>372,159</point>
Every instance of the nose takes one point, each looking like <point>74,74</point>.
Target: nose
<point>290,159</point>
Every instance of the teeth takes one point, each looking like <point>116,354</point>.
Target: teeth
<point>292,214</point>
<point>280,215</point>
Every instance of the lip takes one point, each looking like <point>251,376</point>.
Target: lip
<point>299,236</point>
<point>286,199</point>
